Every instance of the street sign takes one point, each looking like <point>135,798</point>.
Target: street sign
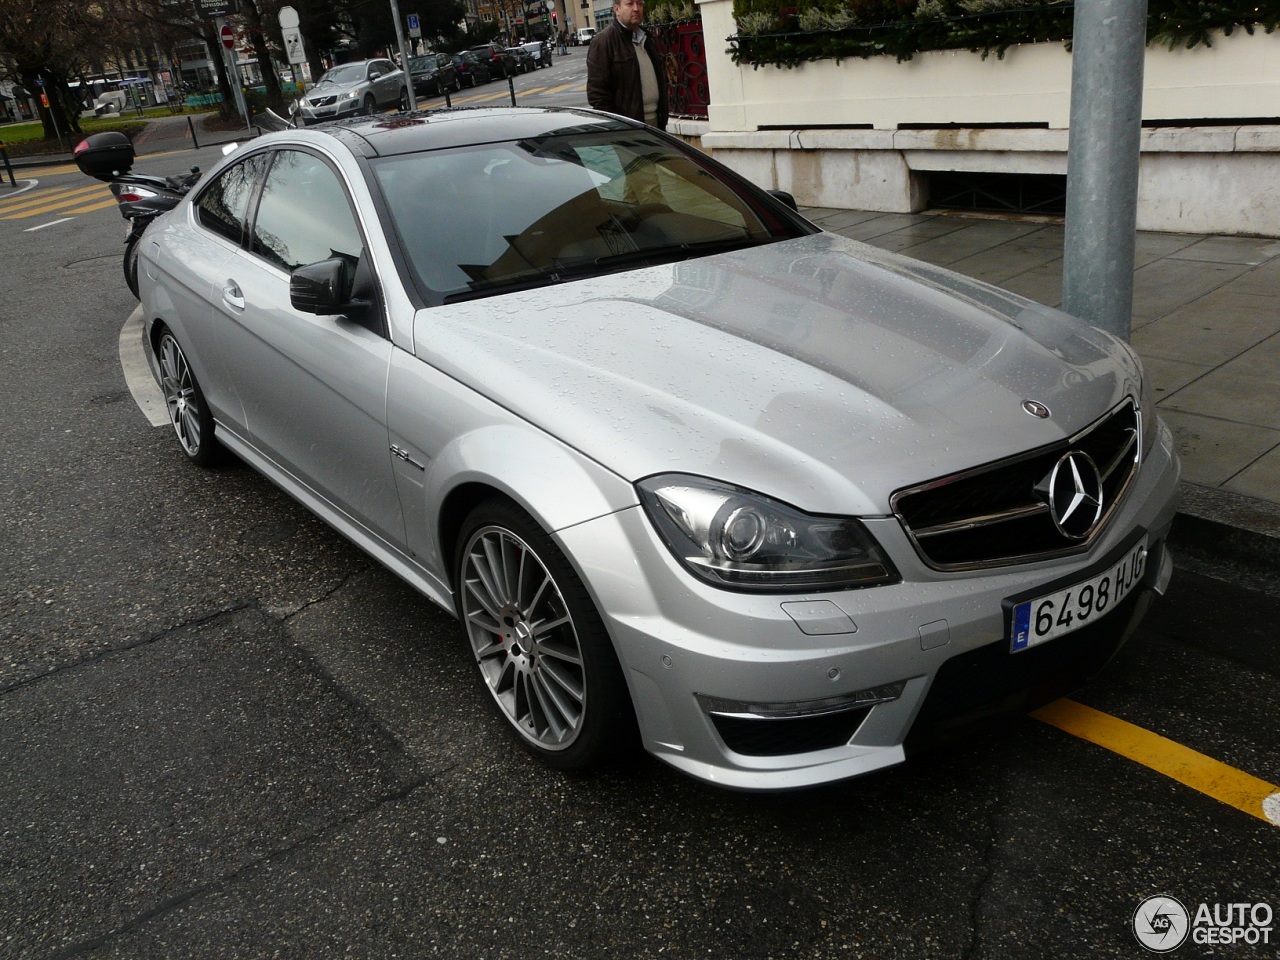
<point>415,26</point>
<point>215,8</point>
<point>293,46</point>
<point>228,36</point>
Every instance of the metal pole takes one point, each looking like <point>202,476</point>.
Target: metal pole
<point>44,90</point>
<point>233,74</point>
<point>8,167</point>
<point>192,127</point>
<point>404,56</point>
<point>1107,50</point>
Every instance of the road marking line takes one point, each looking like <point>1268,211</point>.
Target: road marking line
<point>47,203</point>
<point>1211,777</point>
<point>103,205</point>
<point>8,205</point>
<point>559,89</point>
<point>51,223</point>
<point>137,372</point>
<point>19,191</point>
<point>53,171</point>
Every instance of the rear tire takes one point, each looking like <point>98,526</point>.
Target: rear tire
<point>131,251</point>
<point>184,400</point>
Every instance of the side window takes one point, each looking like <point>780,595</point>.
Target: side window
<point>304,215</point>
<point>224,205</point>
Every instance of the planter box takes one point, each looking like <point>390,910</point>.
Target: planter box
<point>1206,174</point>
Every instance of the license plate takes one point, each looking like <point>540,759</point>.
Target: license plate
<point>1043,619</point>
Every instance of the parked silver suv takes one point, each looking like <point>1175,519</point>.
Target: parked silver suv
<point>354,88</point>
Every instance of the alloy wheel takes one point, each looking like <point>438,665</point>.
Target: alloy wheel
<point>524,638</point>
<point>192,422</point>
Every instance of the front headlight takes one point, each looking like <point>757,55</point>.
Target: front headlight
<point>742,540</point>
<point>351,95</point>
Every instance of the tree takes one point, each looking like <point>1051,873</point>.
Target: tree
<point>46,43</point>
<point>262,25</point>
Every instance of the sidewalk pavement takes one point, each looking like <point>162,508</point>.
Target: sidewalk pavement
<point>1206,322</point>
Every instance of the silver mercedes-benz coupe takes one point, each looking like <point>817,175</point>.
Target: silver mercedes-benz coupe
<point>687,469</point>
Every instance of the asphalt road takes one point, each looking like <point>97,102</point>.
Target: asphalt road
<point>225,732</point>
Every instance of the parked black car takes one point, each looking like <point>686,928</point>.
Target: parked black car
<point>471,69</point>
<point>432,74</point>
<point>523,60</point>
<point>501,63</point>
<point>540,50</point>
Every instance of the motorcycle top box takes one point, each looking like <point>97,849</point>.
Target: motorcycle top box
<point>105,155</point>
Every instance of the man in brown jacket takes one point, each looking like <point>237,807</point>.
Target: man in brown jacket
<point>624,74</point>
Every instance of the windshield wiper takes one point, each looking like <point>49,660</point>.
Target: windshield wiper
<point>678,251</point>
<point>564,271</point>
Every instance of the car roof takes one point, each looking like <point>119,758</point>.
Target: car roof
<point>395,134</point>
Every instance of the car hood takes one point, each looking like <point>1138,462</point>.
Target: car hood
<point>331,87</point>
<point>819,370</point>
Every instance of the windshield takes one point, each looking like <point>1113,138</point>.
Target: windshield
<point>348,73</point>
<point>422,63</point>
<point>480,219</point>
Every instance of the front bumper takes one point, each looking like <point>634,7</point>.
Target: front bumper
<point>767,692</point>
<point>342,108</point>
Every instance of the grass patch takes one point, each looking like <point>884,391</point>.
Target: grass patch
<point>27,139</point>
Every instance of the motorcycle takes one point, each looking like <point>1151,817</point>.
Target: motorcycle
<point>109,157</point>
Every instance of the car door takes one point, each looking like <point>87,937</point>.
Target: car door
<point>192,257</point>
<point>386,81</point>
<point>313,387</point>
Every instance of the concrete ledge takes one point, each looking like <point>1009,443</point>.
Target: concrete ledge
<point>1222,524</point>
<point>1207,179</point>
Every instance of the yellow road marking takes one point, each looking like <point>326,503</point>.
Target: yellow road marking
<point>1195,770</point>
<point>53,171</point>
<point>35,201</point>
<point>504,95</point>
<point>98,206</point>
<point>51,204</point>
<point>562,87</point>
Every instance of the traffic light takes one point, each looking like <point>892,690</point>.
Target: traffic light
<point>555,17</point>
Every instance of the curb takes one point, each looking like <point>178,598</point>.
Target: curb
<point>1230,525</point>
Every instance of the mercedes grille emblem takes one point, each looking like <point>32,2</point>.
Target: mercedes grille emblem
<point>1036,409</point>
<point>1075,495</point>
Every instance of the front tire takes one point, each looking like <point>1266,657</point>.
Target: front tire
<point>538,641</point>
<point>370,105</point>
<point>184,400</point>
<point>405,106</point>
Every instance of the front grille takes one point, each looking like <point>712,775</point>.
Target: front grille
<point>782,736</point>
<point>993,515</point>
<point>324,101</point>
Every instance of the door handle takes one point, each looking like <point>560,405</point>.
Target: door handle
<point>232,296</point>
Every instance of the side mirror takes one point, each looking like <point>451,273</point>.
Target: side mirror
<point>785,198</point>
<point>337,287</point>
<point>322,288</point>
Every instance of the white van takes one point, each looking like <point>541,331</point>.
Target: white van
<point>585,35</point>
